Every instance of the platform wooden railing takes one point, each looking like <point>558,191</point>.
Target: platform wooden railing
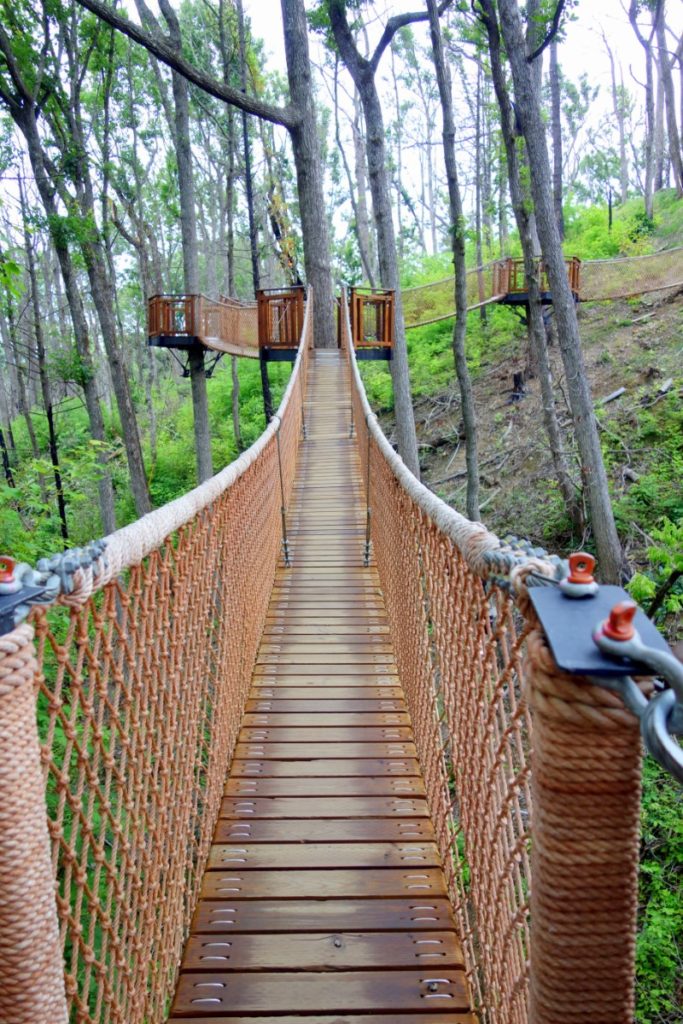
<point>280,316</point>
<point>590,281</point>
<point>371,313</point>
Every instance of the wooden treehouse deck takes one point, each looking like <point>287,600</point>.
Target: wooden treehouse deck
<point>324,896</point>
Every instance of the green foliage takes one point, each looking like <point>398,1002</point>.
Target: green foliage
<point>659,950</point>
<point>587,234</point>
<point>666,564</point>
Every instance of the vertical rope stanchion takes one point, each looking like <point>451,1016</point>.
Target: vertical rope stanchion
<point>31,969</point>
<point>283,509</point>
<point>584,862</point>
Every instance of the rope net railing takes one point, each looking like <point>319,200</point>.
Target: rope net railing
<point>600,280</point>
<point>474,664</point>
<point>142,672</point>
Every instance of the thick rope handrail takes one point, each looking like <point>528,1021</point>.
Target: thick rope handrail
<point>129,545</point>
<point>486,554</point>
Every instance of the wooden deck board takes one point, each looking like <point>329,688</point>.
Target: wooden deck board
<point>324,901</point>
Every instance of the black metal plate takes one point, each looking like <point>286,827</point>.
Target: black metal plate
<point>569,624</point>
<point>279,355</point>
<point>8,602</point>
<point>373,353</point>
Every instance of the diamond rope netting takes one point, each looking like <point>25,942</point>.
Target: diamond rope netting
<point>469,674</point>
<point>142,680</point>
<point>457,644</point>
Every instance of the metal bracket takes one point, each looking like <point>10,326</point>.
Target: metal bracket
<point>20,600</point>
<point>603,635</point>
<point>569,624</point>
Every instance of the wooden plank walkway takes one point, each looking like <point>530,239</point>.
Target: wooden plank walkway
<point>324,898</point>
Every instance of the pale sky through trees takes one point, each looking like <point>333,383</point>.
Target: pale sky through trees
<point>582,50</point>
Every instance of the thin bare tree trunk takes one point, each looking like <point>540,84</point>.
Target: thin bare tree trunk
<point>360,225</point>
<point>669,103</point>
<point>458,242</point>
<point>556,129</point>
<point>620,118</point>
<point>188,229</point>
<point>42,369</point>
<point>362,72</point>
<point>593,469</point>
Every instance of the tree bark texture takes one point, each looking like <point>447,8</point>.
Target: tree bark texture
<point>585,426</point>
<point>458,243</point>
<point>309,168</point>
<point>669,103</point>
<point>556,128</point>
<point>188,228</point>
<point>363,75</point>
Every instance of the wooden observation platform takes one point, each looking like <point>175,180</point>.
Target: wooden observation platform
<point>268,329</point>
<point>372,322</point>
<point>509,281</point>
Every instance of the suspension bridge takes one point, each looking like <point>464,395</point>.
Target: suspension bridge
<point>503,282</point>
<point>266,754</point>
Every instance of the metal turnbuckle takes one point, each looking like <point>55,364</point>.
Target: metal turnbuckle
<point>660,717</point>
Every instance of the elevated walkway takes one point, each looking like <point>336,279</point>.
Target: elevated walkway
<point>324,893</point>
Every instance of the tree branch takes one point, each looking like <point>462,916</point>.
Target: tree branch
<point>550,34</point>
<point>288,116</point>
<point>395,24</point>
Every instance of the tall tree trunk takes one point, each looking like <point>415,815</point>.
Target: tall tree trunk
<point>25,117</point>
<point>360,226</point>
<point>620,118</point>
<point>669,103</point>
<point>363,75</point>
<point>585,425</point>
<point>660,137</point>
<point>556,129</point>
<point>188,230</point>
<point>649,146</point>
<point>309,168</point>
<point>230,194</point>
<point>42,369</point>
<point>458,242</point>
<point>9,323</point>
<point>361,172</point>
<point>521,204</point>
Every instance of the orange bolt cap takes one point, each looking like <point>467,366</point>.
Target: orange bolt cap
<point>6,569</point>
<point>620,626</point>
<point>581,568</point>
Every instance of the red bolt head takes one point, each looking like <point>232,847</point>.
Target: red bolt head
<point>581,568</point>
<point>6,569</point>
<point>620,626</point>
